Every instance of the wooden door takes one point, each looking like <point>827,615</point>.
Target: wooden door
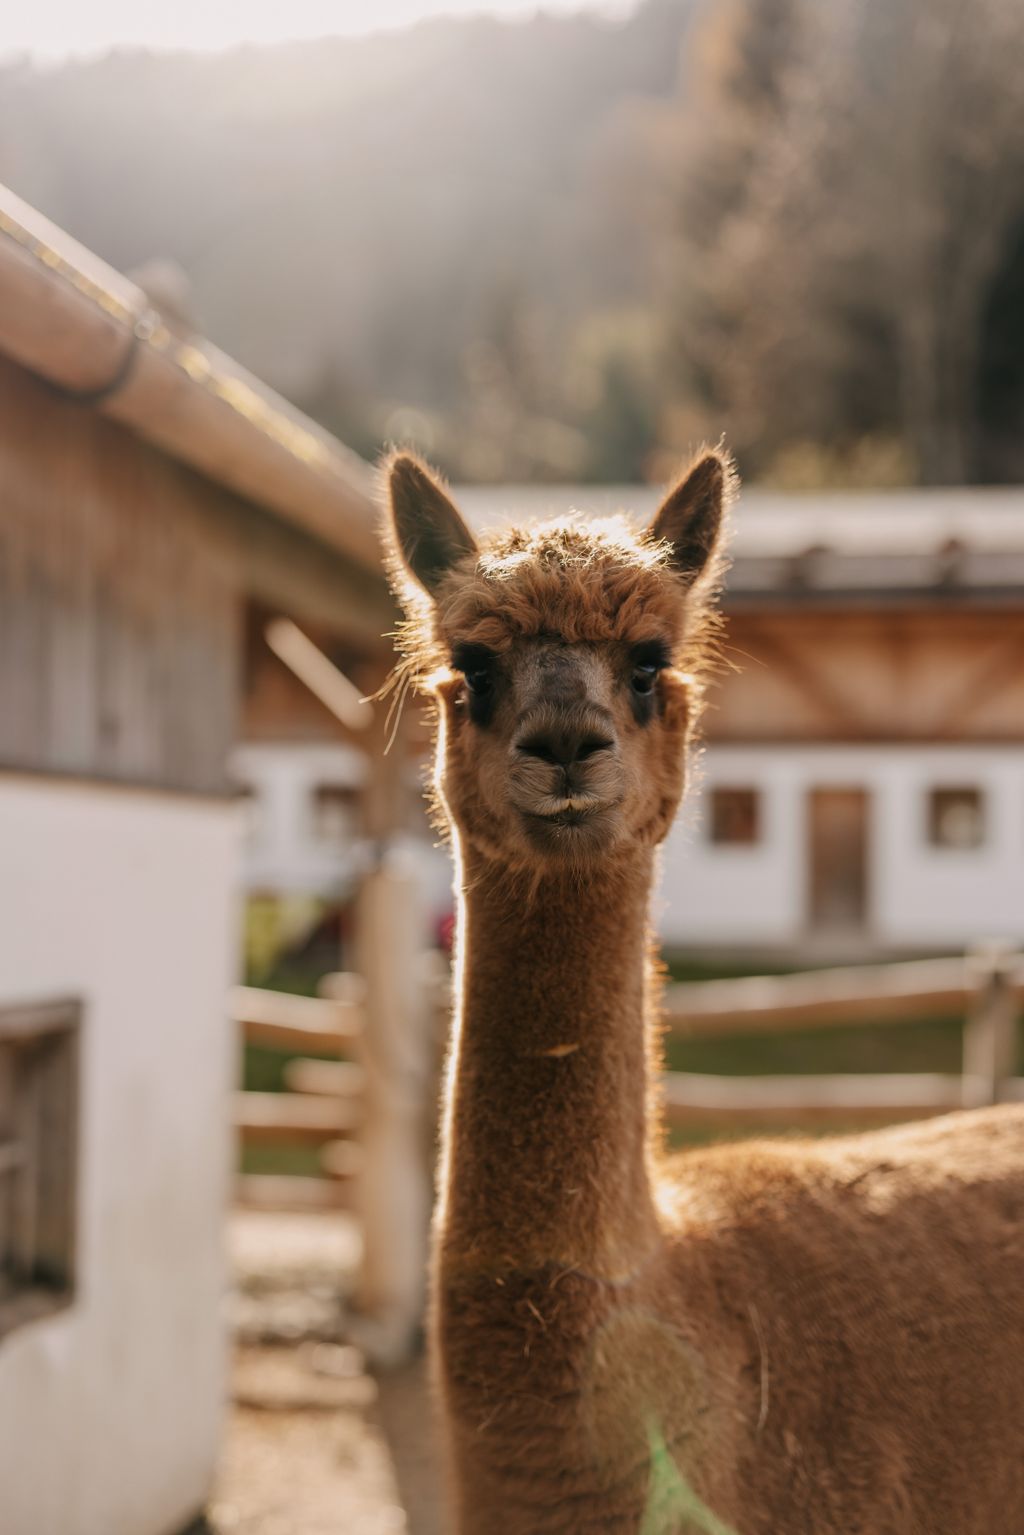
<point>838,852</point>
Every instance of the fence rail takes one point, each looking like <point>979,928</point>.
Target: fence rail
<point>298,1023</point>
<point>694,1101</point>
<point>296,1119</point>
<point>820,999</point>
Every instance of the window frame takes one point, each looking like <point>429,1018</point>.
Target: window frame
<point>46,1036</point>
<point>325,793</point>
<point>757,819</point>
<point>932,815</point>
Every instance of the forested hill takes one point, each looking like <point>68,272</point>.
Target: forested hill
<point>378,226</point>
<point>567,249</point>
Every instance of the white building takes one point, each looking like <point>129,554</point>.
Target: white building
<point>846,848</point>
<point>152,496</point>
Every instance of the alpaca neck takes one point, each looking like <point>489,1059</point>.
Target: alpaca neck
<point>546,1157</point>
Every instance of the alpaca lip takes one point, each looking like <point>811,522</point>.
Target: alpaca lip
<point>568,814</point>
<point>560,820</point>
<point>568,822</point>
<point>567,817</point>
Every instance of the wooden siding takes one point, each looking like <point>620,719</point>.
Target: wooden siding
<point>119,603</point>
<point>837,675</point>
<point>123,585</point>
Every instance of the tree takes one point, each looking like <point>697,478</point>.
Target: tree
<point>856,268</point>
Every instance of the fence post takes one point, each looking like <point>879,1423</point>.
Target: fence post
<point>394,1186</point>
<point>990,1030</point>
<point>393,1191</point>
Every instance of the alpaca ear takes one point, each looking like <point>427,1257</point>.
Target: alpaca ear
<point>429,533</point>
<point>690,517</point>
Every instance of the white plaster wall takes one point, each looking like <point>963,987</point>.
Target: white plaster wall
<point>110,1413</point>
<point>281,851</point>
<point>740,896</point>
<point>951,896</point>
<point>919,896</point>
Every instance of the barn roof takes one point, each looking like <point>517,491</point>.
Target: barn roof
<point>885,545</point>
<point>97,337</point>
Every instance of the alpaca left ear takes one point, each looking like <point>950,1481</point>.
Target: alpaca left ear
<point>690,517</point>
<point>430,535</point>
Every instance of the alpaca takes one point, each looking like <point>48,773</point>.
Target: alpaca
<point>776,1338</point>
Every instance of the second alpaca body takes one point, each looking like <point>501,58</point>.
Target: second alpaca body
<point>817,1338</point>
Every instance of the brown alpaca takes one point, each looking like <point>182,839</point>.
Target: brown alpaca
<point>779,1338</point>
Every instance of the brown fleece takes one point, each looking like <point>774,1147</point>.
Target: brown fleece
<point>777,1338</point>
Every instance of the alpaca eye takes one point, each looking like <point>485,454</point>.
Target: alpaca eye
<point>479,682</point>
<point>644,675</point>
<point>476,663</point>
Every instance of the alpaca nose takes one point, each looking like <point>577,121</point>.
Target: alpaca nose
<point>563,745</point>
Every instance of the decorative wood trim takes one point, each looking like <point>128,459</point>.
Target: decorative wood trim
<point>986,683</point>
<point>816,688</point>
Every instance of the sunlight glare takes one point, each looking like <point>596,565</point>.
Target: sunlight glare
<point>55,29</point>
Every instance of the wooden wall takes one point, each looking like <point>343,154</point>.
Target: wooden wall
<point>922,674</point>
<point>124,580</point>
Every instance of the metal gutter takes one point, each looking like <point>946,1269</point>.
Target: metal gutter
<point>94,335</point>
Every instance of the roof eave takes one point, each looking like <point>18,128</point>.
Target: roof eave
<point>88,330</point>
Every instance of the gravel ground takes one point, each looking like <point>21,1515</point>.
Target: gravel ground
<point>315,1445</point>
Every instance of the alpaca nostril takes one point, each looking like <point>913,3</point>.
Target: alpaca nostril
<point>591,745</point>
<point>563,748</point>
<point>543,748</point>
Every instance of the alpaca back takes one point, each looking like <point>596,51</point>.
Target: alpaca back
<point>860,1306</point>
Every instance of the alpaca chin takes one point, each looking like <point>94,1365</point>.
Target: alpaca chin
<point>573,834</point>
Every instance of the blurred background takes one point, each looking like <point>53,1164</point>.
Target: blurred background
<point>554,249</point>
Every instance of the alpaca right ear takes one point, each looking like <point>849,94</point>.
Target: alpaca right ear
<point>430,535</point>
<point>690,517</point>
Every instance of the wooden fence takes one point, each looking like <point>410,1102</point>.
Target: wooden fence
<point>322,1105</point>
<point>985,989</point>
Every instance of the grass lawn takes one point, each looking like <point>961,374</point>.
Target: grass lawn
<point>934,1044</point>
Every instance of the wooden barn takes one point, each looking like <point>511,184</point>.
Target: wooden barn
<point>158,509</point>
<point>862,786</point>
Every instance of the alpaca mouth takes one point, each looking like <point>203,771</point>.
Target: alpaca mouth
<point>567,817</point>
<point>579,823</point>
<point>574,810</point>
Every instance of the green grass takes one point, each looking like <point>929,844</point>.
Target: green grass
<point>294,1161</point>
<point>934,1044</point>
<point>263,1067</point>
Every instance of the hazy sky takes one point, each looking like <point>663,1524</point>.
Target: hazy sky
<point>52,29</point>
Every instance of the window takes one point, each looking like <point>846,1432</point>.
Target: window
<point>735,817</point>
<point>335,810</point>
<point>956,818</point>
<point>38,1156</point>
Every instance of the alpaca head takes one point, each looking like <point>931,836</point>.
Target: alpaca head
<point>565,662</point>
